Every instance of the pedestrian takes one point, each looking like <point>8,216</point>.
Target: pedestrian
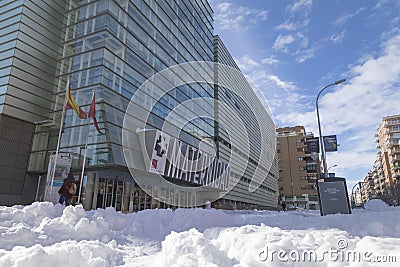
<point>283,206</point>
<point>67,190</point>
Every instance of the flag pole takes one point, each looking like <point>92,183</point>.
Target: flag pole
<point>58,143</point>
<point>84,157</point>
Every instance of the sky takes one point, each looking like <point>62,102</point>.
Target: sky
<point>43,234</point>
<point>292,49</point>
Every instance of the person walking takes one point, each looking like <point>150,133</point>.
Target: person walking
<point>283,206</point>
<point>67,190</point>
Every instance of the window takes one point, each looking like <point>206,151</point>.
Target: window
<point>300,158</point>
<point>302,168</point>
<point>302,178</point>
<point>312,167</point>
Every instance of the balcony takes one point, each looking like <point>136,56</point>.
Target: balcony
<point>391,142</point>
<point>394,130</point>
<point>394,151</point>
<point>390,123</point>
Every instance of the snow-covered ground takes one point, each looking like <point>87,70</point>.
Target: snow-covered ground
<point>43,234</point>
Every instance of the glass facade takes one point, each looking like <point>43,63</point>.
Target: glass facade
<point>112,47</point>
<point>30,36</point>
<point>246,105</point>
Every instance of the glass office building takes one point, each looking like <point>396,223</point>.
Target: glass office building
<point>110,47</point>
<point>30,36</point>
<point>254,172</point>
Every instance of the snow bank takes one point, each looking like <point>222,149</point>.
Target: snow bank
<point>65,253</point>
<point>43,232</point>
<point>376,204</point>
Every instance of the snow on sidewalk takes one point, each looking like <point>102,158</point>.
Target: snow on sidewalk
<point>43,234</point>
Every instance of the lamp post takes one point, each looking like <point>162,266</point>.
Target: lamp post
<point>323,155</point>
<point>333,166</point>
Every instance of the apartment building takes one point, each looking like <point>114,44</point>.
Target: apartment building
<point>387,164</point>
<point>298,168</point>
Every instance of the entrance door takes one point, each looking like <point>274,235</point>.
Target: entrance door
<point>110,193</point>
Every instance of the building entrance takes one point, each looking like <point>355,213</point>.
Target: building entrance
<point>110,193</point>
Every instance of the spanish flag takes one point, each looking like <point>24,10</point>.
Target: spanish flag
<point>71,104</point>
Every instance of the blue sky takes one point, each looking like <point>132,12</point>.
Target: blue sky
<point>292,49</point>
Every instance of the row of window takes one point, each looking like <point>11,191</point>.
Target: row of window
<point>302,178</point>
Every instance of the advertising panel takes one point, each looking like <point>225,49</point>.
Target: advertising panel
<point>312,145</point>
<point>159,152</point>
<point>333,196</point>
<point>61,172</point>
<point>330,143</point>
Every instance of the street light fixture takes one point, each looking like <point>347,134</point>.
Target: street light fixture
<point>323,154</point>
<point>333,166</point>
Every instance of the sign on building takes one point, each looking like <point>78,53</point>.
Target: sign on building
<point>159,153</point>
<point>333,196</point>
<point>173,158</point>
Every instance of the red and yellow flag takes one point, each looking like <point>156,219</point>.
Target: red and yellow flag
<point>71,104</point>
<point>92,113</point>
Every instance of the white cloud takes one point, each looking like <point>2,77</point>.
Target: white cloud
<point>282,41</point>
<point>342,19</point>
<point>246,63</point>
<point>303,41</point>
<point>304,6</point>
<point>292,26</point>
<point>282,84</point>
<point>351,160</point>
<point>303,55</point>
<point>337,38</point>
<point>229,16</point>
<point>346,17</point>
<point>270,61</point>
<point>354,110</point>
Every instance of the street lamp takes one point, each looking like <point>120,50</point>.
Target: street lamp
<point>323,155</point>
<point>333,166</point>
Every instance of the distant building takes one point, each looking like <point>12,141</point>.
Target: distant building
<point>368,190</point>
<point>298,168</point>
<point>387,165</point>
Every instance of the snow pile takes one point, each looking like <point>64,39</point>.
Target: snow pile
<point>43,232</point>
<point>376,204</point>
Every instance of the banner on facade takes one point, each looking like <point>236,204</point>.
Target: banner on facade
<point>61,172</point>
<point>159,152</point>
<point>175,159</point>
<point>330,143</point>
